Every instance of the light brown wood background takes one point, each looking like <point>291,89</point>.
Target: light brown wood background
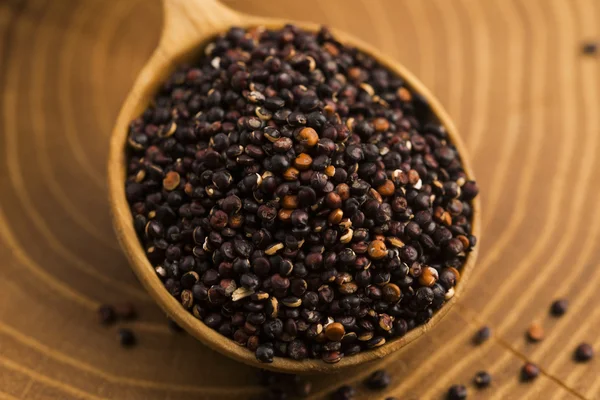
<point>509,72</point>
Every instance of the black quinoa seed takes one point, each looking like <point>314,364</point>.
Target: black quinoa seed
<point>482,379</point>
<point>457,392</point>
<point>482,335</point>
<point>106,314</point>
<point>265,353</point>
<point>378,380</point>
<point>284,385</point>
<point>285,181</point>
<point>344,393</point>
<point>589,48</point>
<point>559,307</point>
<point>127,337</point>
<point>584,352</point>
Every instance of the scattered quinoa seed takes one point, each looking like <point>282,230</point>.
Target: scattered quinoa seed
<point>457,392</point>
<point>559,307</point>
<point>344,393</point>
<point>535,333</point>
<point>584,352</point>
<point>482,335</point>
<point>126,337</point>
<point>378,380</point>
<point>106,314</point>
<point>482,379</point>
<point>529,372</point>
<point>589,48</point>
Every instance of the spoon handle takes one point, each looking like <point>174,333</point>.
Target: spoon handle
<point>186,22</point>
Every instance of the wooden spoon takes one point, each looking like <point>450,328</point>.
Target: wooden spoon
<point>188,25</point>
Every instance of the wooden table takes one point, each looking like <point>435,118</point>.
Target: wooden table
<point>511,74</point>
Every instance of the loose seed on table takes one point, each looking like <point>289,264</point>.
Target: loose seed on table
<point>127,337</point>
<point>529,372</point>
<point>344,393</point>
<point>106,314</point>
<point>482,379</point>
<point>457,392</point>
<point>298,197</point>
<point>378,380</point>
<point>482,335</point>
<point>584,352</point>
<point>589,48</point>
<point>559,307</point>
<point>535,333</point>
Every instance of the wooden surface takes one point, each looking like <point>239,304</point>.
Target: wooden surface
<point>509,72</point>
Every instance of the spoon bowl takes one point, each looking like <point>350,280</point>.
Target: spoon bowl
<point>188,26</point>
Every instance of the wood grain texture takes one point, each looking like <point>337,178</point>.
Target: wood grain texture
<point>511,76</point>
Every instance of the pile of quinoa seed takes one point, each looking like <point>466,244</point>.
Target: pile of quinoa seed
<point>298,197</point>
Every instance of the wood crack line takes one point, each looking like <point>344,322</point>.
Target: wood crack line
<point>472,319</point>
